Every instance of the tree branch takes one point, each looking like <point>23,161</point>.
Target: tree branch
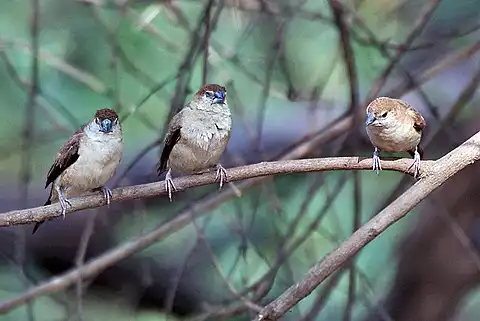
<point>97,265</point>
<point>434,173</point>
<point>41,213</point>
<point>437,174</point>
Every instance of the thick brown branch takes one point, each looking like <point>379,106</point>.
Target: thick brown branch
<point>38,214</point>
<point>438,173</point>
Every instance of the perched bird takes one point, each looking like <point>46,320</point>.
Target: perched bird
<point>394,126</point>
<point>87,161</point>
<point>197,136</point>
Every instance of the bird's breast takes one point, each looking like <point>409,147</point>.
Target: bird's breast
<point>200,146</point>
<point>394,139</point>
<point>95,165</point>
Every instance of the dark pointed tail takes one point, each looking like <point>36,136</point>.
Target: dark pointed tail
<point>37,225</point>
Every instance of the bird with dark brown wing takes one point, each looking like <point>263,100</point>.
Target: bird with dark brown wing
<point>197,136</point>
<point>87,160</point>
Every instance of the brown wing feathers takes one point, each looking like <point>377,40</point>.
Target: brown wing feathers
<point>67,155</point>
<point>172,138</point>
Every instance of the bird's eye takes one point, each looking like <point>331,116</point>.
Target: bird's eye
<point>209,94</point>
<point>97,120</point>
<point>384,114</point>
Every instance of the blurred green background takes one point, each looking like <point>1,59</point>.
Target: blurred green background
<point>283,65</point>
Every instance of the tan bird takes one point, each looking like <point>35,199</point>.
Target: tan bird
<point>87,160</point>
<point>197,136</point>
<point>394,126</point>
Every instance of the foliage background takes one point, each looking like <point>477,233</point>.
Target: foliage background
<point>284,68</point>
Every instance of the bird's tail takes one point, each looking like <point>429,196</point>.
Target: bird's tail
<point>48,202</point>
<point>35,228</point>
<point>161,168</point>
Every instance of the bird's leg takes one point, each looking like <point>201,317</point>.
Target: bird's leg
<point>221,175</point>
<point>416,163</point>
<point>169,186</point>
<point>62,200</point>
<point>108,194</point>
<point>376,161</point>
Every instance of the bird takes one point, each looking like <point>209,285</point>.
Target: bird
<point>394,126</point>
<point>87,161</point>
<point>197,136</point>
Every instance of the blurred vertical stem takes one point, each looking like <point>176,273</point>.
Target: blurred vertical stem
<point>206,42</point>
<point>28,137</point>
<point>352,284</point>
<point>29,126</point>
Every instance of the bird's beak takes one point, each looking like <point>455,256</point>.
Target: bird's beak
<point>370,119</point>
<point>219,98</point>
<point>106,126</point>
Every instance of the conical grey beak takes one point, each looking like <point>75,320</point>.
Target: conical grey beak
<point>106,125</point>
<point>370,119</point>
<point>219,98</point>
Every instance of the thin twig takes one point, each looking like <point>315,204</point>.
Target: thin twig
<point>348,54</point>
<point>435,173</point>
<point>38,214</point>
<point>28,137</point>
<point>441,171</point>
<point>352,274</point>
<point>80,259</point>
<point>206,41</point>
<point>418,28</point>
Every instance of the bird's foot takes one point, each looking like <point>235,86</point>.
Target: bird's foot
<point>415,164</point>
<point>107,193</point>
<point>221,176</point>
<point>376,166</point>
<point>63,202</point>
<point>169,186</point>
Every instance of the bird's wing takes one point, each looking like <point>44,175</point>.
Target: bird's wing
<point>419,122</point>
<point>67,155</point>
<point>172,137</point>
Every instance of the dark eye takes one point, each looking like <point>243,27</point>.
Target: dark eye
<point>208,94</point>
<point>97,120</point>
<point>384,114</point>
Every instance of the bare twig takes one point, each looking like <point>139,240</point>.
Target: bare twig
<point>322,297</point>
<point>438,173</point>
<point>80,259</point>
<point>218,267</point>
<point>28,136</point>
<point>352,274</point>
<point>418,28</point>
<point>53,61</point>
<point>348,54</point>
<point>434,174</point>
<point>113,256</point>
<point>206,41</point>
<point>38,214</point>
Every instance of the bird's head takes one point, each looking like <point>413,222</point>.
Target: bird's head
<point>105,120</point>
<point>382,112</point>
<point>211,94</point>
